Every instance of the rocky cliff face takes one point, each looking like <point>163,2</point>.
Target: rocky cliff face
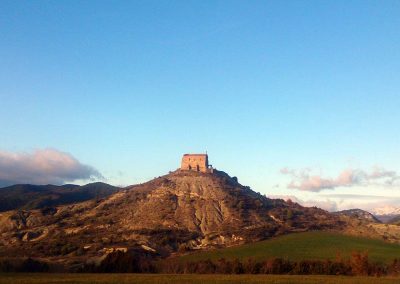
<point>182,210</point>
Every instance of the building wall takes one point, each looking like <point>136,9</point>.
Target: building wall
<point>195,162</point>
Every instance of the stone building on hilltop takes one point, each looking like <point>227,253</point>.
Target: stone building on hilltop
<point>196,162</point>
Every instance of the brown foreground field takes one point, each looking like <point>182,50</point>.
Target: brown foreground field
<point>36,278</point>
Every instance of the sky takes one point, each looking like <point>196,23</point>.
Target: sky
<point>297,99</point>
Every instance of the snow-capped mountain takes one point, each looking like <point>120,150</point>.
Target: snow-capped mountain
<point>386,210</point>
<point>387,214</point>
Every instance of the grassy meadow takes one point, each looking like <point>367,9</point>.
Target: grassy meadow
<point>39,278</point>
<point>304,246</point>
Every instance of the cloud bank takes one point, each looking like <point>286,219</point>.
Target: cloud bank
<point>374,204</point>
<point>306,181</point>
<point>45,166</point>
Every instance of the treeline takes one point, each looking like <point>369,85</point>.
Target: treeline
<point>357,264</point>
<point>23,265</point>
<point>119,262</point>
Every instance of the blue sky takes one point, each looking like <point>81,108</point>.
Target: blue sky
<point>127,87</point>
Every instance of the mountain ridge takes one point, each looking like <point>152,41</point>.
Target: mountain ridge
<point>28,196</point>
<point>360,214</point>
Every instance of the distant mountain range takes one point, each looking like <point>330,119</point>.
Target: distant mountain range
<point>387,210</point>
<point>27,196</point>
<point>387,214</point>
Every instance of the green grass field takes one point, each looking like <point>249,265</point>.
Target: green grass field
<point>39,278</point>
<point>300,246</point>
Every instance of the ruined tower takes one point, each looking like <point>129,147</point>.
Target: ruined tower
<point>195,162</point>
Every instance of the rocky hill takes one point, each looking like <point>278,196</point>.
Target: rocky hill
<point>359,214</point>
<point>181,211</point>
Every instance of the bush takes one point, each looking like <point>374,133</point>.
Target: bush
<point>121,262</point>
<point>23,265</point>
<point>359,263</point>
<point>394,268</point>
<point>277,266</point>
<point>31,265</point>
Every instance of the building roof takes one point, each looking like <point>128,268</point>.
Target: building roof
<point>203,155</point>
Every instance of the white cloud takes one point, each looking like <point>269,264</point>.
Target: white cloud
<point>45,166</point>
<point>337,202</point>
<point>305,180</point>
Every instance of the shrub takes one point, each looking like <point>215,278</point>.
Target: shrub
<point>31,265</point>
<point>359,263</point>
<point>129,262</point>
